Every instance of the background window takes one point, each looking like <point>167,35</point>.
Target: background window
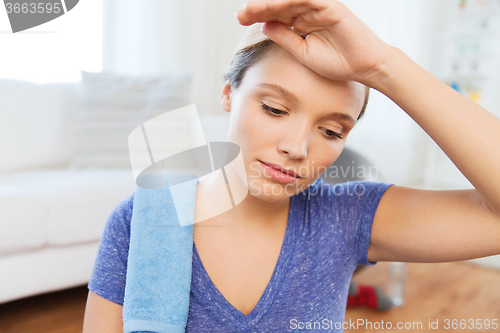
<point>56,51</point>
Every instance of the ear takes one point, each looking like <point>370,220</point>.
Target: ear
<point>225,96</point>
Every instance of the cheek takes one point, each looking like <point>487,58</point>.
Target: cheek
<point>250,130</point>
<point>324,155</point>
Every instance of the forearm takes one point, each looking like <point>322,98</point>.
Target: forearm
<point>466,132</point>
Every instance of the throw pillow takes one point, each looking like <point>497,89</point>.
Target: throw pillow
<point>111,106</point>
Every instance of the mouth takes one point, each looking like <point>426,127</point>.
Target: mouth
<point>279,173</point>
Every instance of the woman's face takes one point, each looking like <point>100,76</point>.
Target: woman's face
<point>285,114</point>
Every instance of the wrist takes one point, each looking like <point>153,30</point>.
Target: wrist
<point>384,73</point>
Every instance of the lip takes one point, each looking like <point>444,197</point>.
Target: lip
<point>280,168</point>
<point>290,175</point>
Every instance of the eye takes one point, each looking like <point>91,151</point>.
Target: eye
<point>332,135</point>
<point>272,111</point>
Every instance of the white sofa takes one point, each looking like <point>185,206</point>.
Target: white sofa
<point>51,215</point>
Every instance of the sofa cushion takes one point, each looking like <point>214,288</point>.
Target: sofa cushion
<point>111,106</point>
<point>44,270</point>
<point>36,124</point>
<point>76,204</point>
<point>23,219</point>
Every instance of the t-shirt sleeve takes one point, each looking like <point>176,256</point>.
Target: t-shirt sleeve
<point>364,209</point>
<point>353,206</point>
<point>110,267</point>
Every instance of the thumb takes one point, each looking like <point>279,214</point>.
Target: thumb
<point>285,37</point>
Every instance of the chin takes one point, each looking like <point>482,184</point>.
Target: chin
<point>271,191</point>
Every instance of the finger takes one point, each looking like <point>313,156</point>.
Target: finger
<point>282,4</point>
<point>276,10</point>
<point>313,21</point>
<point>245,19</point>
<point>287,18</point>
<point>285,37</point>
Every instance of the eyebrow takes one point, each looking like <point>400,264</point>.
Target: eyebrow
<point>341,116</point>
<point>280,90</point>
<point>289,95</point>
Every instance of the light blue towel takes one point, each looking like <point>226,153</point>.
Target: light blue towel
<point>159,265</point>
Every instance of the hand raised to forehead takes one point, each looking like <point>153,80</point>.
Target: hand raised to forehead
<point>288,12</point>
<point>337,44</point>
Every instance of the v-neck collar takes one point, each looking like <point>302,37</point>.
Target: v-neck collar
<point>261,308</point>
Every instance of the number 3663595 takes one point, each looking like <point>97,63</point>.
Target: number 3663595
<point>33,8</point>
<point>470,324</point>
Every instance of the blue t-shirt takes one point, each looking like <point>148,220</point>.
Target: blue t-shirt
<point>327,236</point>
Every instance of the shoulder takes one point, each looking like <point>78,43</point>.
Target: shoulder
<point>125,206</point>
<point>344,201</point>
<point>120,218</point>
<point>356,191</point>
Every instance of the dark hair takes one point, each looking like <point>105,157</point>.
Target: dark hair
<point>254,46</point>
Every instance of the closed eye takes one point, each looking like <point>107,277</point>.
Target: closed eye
<point>272,111</point>
<point>332,135</point>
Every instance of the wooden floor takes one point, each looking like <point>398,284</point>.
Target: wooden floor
<point>434,292</point>
<point>58,312</point>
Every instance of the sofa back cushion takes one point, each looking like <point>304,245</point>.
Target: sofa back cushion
<point>36,124</point>
<point>111,106</point>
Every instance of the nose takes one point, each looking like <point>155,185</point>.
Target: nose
<point>294,143</point>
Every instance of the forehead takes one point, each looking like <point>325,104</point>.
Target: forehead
<point>279,67</point>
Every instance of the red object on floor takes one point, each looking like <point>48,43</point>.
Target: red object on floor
<point>366,296</point>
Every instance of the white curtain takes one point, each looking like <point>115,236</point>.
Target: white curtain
<point>404,153</point>
<point>152,37</point>
<point>387,136</point>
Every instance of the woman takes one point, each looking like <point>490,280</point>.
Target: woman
<point>284,258</point>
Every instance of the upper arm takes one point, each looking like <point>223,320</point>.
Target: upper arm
<point>413,225</point>
<point>102,315</point>
<point>108,277</point>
